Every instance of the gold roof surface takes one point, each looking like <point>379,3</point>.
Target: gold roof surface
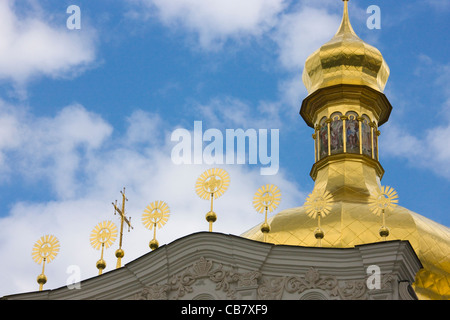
<point>345,59</point>
<point>353,223</point>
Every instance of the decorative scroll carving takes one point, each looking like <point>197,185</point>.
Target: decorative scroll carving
<point>154,292</point>
<point>313,280</point>
<point>202,267</point>
<point>182,283</point>
<point>226,279</point>
<point>353,290</point>
<point>248,279</point>
<point>271,288</point>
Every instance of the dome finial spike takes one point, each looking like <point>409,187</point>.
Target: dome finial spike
<point>345,27</point>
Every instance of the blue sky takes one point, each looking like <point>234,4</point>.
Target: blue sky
<point>84,113</point>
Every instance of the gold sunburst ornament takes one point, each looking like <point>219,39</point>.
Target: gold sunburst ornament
<point>380,203</point>
<point>267,198</point>
<point>210,185</point>
<point>318,205</point>
<point>44,250</point>
<point>155,215</point>
<point>103,236</point>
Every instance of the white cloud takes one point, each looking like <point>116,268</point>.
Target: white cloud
<point>302,32</point>
<point>292,91</point>
<point>215,21</point>
<point>30,46</point>
<point>52,149</point>
<point>143,127</point>
<point>298,34</point>
<point>233,113</point>
<point>428,148</point>
<point>441,5</point>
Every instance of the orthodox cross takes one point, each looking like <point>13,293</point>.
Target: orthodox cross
<point>119,252</point>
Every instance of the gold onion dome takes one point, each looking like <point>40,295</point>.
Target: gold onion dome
<point>340,77</point>
<point>345,59</point>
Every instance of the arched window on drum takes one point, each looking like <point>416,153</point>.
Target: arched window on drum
<point>375,134</point>
<point>323,138</point>
<point>366,139</point>
<point>352,133</point>
<point>336,134</point>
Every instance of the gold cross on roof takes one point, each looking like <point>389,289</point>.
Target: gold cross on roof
<point>119,252</point>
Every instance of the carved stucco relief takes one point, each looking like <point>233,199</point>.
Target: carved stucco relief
<point>227,280</point>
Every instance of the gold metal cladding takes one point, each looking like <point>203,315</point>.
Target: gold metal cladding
<point>44,250</point>
<point>267,198</point>
<point>347,158</point>
<point>123,219</point>
<point>103,235</point>
<point>344,98</point>
<point>352,223</point>
<point>210,185</point>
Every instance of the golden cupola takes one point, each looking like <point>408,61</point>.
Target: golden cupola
<point>346,106</point>
<point>345,59</point>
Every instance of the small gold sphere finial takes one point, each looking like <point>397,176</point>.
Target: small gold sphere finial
<point>153,244</point>
<point>319,234</point>
<point>101,264</point>
<point>120,253</point>
<point>384,231</point>
<point>265,228</point>
<point>41,279</point>
<point>211,216</point>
